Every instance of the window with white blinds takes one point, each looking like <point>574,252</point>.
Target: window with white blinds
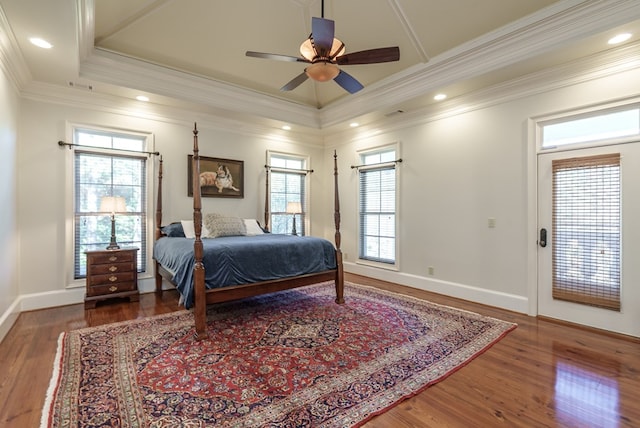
<point>586,230</point>
<point>100,172</point>
<point>288,183</point>
<point>377,206</point>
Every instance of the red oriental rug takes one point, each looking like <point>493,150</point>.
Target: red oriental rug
<point>288,359</point>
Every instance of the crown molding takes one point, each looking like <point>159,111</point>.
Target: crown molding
<point>112,104</point>
<point>556,26</point>
<point>86,27</point>
<point>239,110</point>
<point>11,59</point>
<point>601,65</point>
<point>116,69</point>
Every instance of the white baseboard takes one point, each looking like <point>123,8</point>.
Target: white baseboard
<point>9,318</point>
<point>498,299</point>
<point>72,296</point>
<point>51,299</point>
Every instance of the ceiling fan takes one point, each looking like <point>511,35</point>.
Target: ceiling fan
<point>324,52</point>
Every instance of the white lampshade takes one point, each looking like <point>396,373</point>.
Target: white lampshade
<point>113,204</point>
<point>294,208</point>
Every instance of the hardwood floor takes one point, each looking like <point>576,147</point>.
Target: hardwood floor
<point>542,374</point>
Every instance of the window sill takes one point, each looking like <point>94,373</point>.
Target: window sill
<point>385,266</point>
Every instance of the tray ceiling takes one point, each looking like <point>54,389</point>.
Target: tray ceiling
<point>194,50</point>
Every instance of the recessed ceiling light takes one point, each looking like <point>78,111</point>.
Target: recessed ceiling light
<point>286,128</point>
<point>40,43</point>
<point>142,98</point>
<point>440,97</point>
<point>619,38</point>
<point>354,124</point>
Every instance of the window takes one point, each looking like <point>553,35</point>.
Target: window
<point>377,207</point>
<point>587,230</point>
<point>105,164</point>
<point>612,123</point>
<point>288,183</point>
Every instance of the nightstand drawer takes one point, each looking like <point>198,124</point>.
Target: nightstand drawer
<point>107,257</point>
<point>111,268</point>
<point>110,278</point>
<point>104,290</point>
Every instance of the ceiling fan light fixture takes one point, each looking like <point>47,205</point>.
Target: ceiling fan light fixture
<point>322,71</point>
<point>337,48</point>
<point>308,52</point>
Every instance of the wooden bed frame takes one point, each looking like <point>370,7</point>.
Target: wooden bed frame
<point>204,296</point>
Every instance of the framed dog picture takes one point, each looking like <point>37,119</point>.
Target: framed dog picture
<point>219,178</point>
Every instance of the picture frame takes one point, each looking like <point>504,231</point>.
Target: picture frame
<point>219,178</point>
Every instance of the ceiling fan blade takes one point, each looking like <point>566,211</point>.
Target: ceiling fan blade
<point>370,56</point>
<point>276,57</point>
<point>348,82</point>
<point>322,31</point>
<point>295,82</point>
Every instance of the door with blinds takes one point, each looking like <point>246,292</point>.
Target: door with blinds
<point>589,237</point>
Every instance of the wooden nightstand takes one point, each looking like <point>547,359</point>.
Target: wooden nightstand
<point>111,273</point>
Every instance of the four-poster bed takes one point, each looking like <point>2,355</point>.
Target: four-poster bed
<point>292,261</point>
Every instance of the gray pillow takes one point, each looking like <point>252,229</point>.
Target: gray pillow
<point>220,225</point>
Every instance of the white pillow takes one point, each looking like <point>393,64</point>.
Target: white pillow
<point>190,231</point>
<point>252,227</point>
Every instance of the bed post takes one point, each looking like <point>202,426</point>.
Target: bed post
<point>158,233</point>
<point>200,307</point>
<point>267,207</point>
<point>336,217</point>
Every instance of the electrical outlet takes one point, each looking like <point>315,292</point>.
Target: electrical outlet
<point>491,222</point>
<point>345,256</point>
<point>430,270</point>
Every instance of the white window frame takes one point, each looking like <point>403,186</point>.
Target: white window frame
<point>149,144</point>
<point>585,113</point>
<point>395,266</point>
<point>305,226</point>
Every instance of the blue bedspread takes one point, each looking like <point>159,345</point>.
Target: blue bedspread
<point>234,260</point>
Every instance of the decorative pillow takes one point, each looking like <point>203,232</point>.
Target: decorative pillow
<point>219,225</point>
<point>189,229</point>
<point>173,230</point>
<point>253,227</point>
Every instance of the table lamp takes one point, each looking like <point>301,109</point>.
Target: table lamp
<point>294,208</point>
<point>113,205</point>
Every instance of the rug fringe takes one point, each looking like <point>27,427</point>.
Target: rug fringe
<point>53,383</point>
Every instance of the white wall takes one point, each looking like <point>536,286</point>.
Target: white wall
<point>457,172</point>
<point>9,291</point>
<point>45,180</point>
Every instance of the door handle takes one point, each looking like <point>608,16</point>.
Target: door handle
<point>543,237</point>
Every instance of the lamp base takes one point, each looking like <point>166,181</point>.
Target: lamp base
<point>113,245</point>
